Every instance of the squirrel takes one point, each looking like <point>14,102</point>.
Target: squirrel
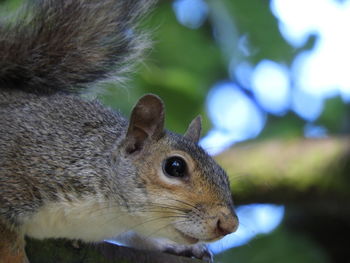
<point>73,168</point>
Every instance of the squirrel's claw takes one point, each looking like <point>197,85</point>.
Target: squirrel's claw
<point>199,251</point>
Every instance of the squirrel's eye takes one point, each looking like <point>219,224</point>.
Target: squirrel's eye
<point>175,166</point>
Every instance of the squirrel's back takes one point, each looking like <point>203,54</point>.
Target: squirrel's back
<point>62,46</point>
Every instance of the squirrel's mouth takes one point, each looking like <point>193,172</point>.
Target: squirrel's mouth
<point>189,239</point>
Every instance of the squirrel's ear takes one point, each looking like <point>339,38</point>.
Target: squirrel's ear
<point>194,129</point>
<point>146,121</point>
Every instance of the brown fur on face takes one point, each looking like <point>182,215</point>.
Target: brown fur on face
<point>201,197</point>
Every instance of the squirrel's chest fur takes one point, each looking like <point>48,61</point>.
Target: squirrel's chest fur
<point>87,219</point>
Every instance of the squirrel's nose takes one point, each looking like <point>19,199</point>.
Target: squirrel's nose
<point>227,223</point>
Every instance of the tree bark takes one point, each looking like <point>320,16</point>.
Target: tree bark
<point>63,251</point>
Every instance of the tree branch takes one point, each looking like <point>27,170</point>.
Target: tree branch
<point>63,251</point>
<point>313,172</point>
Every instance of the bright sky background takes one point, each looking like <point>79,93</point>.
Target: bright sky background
<point>318,74</point>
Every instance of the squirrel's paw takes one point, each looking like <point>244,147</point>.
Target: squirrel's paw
<point>199,251</point>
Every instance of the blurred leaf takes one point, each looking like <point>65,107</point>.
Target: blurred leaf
<point>334,115</point>
<point>254,18</point>
<point>280,246</point>
<point>183,65</point>
<point>9,6</point>
<point>286,127</point>
<point>190,50</point>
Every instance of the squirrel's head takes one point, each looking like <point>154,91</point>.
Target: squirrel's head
<point>182,193</point>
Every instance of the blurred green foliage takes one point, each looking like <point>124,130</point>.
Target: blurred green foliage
<point>280,246</point>
<point>254,18</point>
<point>181,67</point>
<point>185,63</point>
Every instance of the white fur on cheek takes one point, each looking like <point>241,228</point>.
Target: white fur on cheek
<point>87,219</point>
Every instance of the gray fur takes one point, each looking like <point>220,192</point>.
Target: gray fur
<point>57,148</point>
<point>50,146</point>
<point>65,45</point>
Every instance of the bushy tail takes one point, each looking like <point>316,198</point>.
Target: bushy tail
<point>65,45</point>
